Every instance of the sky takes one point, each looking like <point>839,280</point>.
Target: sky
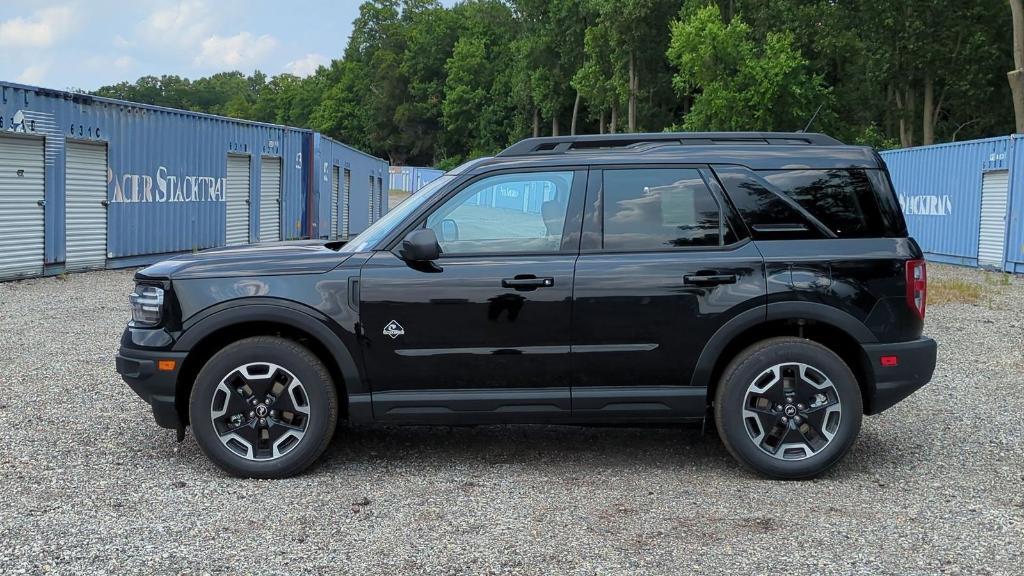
<point>85,44</point>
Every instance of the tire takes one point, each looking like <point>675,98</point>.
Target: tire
<point>263,407</point>
<point>812,417</point>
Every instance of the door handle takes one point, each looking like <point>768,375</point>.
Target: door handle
<point>527,283</point>
<point>709,279</point>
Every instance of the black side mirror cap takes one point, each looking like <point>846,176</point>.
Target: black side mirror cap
<point>420,246</point>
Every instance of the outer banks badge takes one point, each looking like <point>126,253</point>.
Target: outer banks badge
<point>394,329</point>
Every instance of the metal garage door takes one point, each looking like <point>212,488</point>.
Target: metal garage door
<point>334,202</point>
<point>373,194</point>
<point>238,200</point>
<point>85,206</point>
<point>992,241</point>
<point>21,210</point>
<point>270,199</point>
<point>346,197</point>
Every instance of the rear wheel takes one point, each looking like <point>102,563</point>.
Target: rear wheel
<point>263,407</point>
<point>788,408</point>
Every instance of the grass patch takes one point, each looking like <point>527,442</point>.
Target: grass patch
<point>997,279</point>
<point>954,291</point>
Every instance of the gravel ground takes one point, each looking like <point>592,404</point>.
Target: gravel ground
<point>90,485</point>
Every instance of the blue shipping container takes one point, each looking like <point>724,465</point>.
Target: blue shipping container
<point>360,179</point>
<point>167,172</point>
<point>940,190</point>
<point>412,178</point>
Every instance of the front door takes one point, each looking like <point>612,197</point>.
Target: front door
<point>484,334</point>
<point>660,271</point>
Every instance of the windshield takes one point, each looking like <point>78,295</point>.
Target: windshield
<point>369,238</point>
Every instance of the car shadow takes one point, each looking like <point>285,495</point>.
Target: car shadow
<point>569,447</point>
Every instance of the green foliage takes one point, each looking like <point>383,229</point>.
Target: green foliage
<point>422,84</point>
<point>738,85</point>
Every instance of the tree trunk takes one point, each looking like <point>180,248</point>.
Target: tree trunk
<point>905,107</point>
<point>554,125</point>
<point>928,113</point>
<point>575,114</point>
<point>1016,76</point>
<point>612,129</point>
<point>600,129</point>
<point>536,122</point>
<point>727,9</point>
<point>633,84</point>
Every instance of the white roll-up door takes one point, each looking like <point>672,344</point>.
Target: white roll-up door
<point>85,206</point>
<point>238,200</point>
<point>373,194</point>
<point>345,204</point>
<point>992,240</point>
<point>21,210</point>
<point>270,199</point>
<point>334,202</point>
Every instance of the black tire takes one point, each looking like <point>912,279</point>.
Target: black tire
<point>744,430</point>
<point>317,396</point>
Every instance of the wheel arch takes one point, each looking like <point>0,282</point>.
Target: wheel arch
<point>217,328</point>
<point>835,329</point>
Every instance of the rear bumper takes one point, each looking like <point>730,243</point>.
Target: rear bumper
<point>138,368</point>
<point>914,368</point>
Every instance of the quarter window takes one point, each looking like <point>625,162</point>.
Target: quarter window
<point>659,208</point>
<point>504,214</point>
<point>843,200</point>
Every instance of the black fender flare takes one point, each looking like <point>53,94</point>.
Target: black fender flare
<point>294,315</point>
<point>748,319</point>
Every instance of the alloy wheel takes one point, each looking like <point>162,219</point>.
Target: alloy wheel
<point>792,411</point>
<point>260,411</point>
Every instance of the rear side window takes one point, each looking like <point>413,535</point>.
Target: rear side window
<point>843,200</point>
<point>653,209</point>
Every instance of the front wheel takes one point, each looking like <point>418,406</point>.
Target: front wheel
<point>263,407</point>
<point>788,408</point>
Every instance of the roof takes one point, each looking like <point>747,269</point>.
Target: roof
<point>755,150</point>
<point>631,142</point>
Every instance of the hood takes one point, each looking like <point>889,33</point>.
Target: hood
<point>270,258</point>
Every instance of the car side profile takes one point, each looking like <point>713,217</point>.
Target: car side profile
<point>762,280</point>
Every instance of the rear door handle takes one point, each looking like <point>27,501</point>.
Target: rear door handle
<point>527,283</point>
<point>709,279</point>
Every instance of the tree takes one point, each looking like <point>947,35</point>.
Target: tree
<point>1016,76</point>
<point>737,85</point>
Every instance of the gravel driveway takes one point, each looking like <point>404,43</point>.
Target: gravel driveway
<point>90,485</point>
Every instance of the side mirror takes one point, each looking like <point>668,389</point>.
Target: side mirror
<point>420,246</point>
<point>449,230</point>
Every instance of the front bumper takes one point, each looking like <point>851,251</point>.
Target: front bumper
<point>914,367</point>
<point>139,369</point>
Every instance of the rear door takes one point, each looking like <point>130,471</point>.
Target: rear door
<point>661,269</point>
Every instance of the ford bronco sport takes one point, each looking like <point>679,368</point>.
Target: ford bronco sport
<point>762,280</point>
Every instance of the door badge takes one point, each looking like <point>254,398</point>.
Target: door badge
<point>394,329</point>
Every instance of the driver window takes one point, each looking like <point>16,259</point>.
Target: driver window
<point>505,213</point>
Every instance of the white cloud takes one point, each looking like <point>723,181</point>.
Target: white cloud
<point>122,42</point>
<point>182,23</point>
<point>41,30</point>
<point>234,51</point>
<point>306,65</point>
<point>33,74</point>
<point>123,62</point>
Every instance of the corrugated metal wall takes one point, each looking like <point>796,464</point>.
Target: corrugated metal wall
<point>939,188</point>
<point>412,178</point>
<point>1015,230</point>
<point>361,168</point>
<point>167,172</point>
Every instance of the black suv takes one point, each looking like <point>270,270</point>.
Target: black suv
<point>764,280</point>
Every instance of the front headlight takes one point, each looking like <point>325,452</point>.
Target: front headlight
<point>147,305</point>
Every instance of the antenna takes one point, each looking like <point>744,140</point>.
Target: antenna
<point>813,116</point>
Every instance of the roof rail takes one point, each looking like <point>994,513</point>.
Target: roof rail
<point>563,144</point>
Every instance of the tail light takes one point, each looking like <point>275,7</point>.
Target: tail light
<point>917,286</point>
